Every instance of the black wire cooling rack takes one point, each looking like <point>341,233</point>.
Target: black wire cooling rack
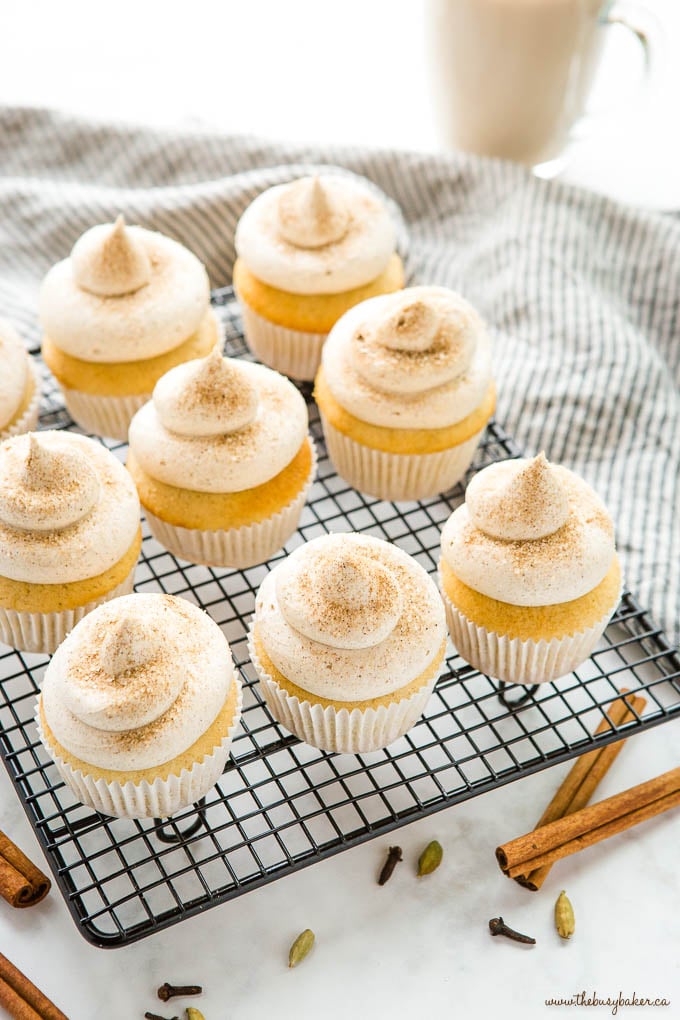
<point>280,804</point>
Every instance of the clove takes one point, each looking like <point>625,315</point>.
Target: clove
<point>393,857</point>
<point>497,926</point>
<point>168,991</point>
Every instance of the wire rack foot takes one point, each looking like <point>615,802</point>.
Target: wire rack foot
<point>170,832</point>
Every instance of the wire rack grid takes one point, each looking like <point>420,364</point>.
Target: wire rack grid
<point>282,805</point>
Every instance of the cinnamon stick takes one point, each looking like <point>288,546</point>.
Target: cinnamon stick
<point>22,883</point>
<point>21,998</point>
<point>584,777</point>
<point>590,825</point>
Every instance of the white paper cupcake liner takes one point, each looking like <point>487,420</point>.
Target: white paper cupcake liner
<point>234,547</point>
<point>289,351</point>
<point>158,799</point>
<point>348,730</point>
<point>44,632</point>
<point>28,421</point>
<point>516,661</point>
<point>397,476</point>
<point>103,416</point>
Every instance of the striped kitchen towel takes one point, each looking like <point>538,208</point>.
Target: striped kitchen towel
<point>581,293</point>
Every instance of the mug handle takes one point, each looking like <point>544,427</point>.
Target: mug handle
<point>637,19</point>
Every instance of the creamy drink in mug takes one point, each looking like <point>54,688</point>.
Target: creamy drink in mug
<point>511,77</point>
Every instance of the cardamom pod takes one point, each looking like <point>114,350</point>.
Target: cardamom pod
<point>194,1014</point>
<point>302,945</point>
<point>430,859</point>
<point>564,916</point>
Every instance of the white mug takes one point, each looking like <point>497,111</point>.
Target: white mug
<point>512,77</point>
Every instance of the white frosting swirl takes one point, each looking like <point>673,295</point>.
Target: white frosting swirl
<point>137,682</point>
<point>206,397</point>
<point>110,261</point>
<point>14,376</point>
<point>317,235</point>
<point>419,358</point>
<point>125,294</point>
<point>349,617</point>
<point>530,533</point>
<point>219,425</point>
<point>68,508</point>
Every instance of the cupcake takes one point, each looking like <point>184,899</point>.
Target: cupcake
<point>69,535</point>
<point>405,391</point>
<point>222,461</point>
<point>128,305</point>
<point>139,706</point>
<point>528,571</point>
<point>19,385</point>
<point>308,251</point>
<point>348,639</point>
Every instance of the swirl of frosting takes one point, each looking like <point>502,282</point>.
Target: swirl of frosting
<point>530,533</point>
<point>219,425</point>
<point>125,294</point>
<point>206,397</point>
<point>68,508</point>
<point>45,488</point>
<point>110,260</point>
<point>345,601</point>
<point>14,376</point>
<point>312,215</point>
<point>416,359</point>
<point>350,617</point>
<point>317,235</point>
<point>137,682</point>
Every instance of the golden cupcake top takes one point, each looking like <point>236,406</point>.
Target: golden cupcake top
<point>124,294</point>
<point>419,358</point>
<point>137,682</point>
<point>68,508</point>
<point>321,234</point>
<point>530,533</point>
<point>218,424</point>
<point>349,617</point>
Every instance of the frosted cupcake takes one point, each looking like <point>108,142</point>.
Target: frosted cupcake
<point>222,461</point>
<point>405,391</point>
<point>69,535</point>
<point>139,706</point>
<point>348,640</point>
<point>528,571</point>
<point>308,251</point>
<point>128,305</point>
<point>19,385</point>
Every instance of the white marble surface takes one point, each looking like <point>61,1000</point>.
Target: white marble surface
<point>413,948</point>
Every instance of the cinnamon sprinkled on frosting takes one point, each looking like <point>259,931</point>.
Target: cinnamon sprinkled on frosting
<point>317,235</point>
<point>109,260</point>
<point>124,294</point>
<point>137,682</point>
<point>419,358</point>
<point>530,533</point>
<point>206,397</point>
<point>311,215</point>
<point>42,487</point>
<point>219,425</point>
<point>349,617</point>
<point>68,508</point>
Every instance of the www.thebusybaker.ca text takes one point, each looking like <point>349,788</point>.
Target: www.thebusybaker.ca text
<point>593,999</point>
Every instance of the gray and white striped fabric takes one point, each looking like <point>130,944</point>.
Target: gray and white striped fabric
<point>582,294</point>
